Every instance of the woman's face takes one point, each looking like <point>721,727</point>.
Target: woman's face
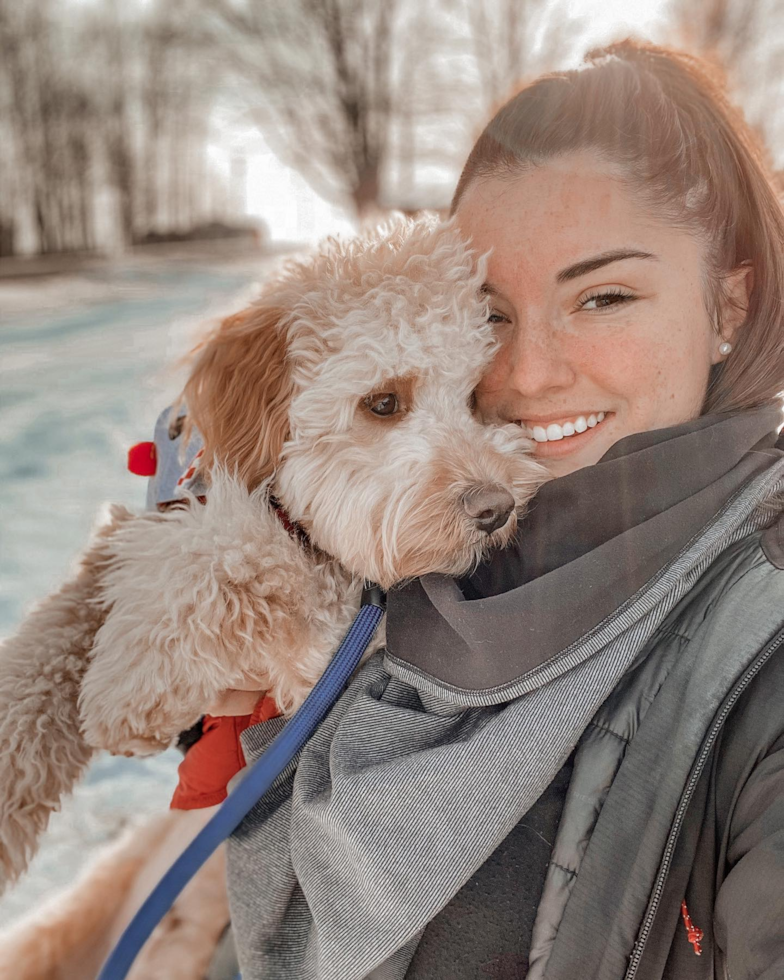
<point>599,308</point>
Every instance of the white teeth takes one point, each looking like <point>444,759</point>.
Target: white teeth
<point>555,432</point>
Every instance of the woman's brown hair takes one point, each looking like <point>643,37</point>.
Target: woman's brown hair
<point>661,118</point>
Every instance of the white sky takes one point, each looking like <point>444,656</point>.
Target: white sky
<point>294,212</point>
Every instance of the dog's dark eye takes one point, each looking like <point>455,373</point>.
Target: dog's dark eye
<point>382,405</point>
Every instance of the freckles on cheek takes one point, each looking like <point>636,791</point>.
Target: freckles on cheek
<point>496,374</point>
<point>631,371</point>
<point>659,384</point>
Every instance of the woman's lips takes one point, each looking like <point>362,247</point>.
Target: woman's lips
<point>554,448</point>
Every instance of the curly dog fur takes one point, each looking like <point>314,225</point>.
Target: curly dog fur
<point>41,672</point>
<point>346,392</point>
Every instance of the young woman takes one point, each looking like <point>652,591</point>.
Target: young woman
<point>572,764</point>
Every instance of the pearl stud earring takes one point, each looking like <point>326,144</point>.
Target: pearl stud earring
<point>725,348</point>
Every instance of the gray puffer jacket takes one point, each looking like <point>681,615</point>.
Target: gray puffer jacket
<point>677,795</point>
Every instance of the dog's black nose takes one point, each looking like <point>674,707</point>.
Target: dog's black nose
<point>488,507</point>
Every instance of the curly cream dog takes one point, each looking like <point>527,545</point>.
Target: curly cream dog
<point>345,392</point>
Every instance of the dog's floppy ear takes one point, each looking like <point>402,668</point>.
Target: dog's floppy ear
<point>238,394</point>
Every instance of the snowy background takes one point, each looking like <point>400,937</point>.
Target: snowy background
<point>86,364</point>
<point>218,131</point>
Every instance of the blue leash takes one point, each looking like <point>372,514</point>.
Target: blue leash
<point>258,780</point>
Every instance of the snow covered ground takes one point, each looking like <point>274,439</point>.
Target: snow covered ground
<point>86,365</point>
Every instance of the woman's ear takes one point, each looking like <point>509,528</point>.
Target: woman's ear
<point>238,394</point>
<point>734,304</point>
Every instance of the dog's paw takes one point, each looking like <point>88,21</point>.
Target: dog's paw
<point>141,747</point>
<point>121,739</point>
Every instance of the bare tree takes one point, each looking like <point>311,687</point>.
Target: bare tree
<point>46,126</point>
<point>744,37</point>
<point>729,29</point>
<point>156,111</point>
<point>323,85</point>
<point>133,117</point>
<point>12,189</point>
<point>517,39</point>
<point>115,40</point>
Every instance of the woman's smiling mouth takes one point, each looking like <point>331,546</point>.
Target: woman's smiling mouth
<point>557,438</point>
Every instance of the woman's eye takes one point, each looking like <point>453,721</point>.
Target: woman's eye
<point>383,405</point>
<point>497,318</point>
<point>604,300</point>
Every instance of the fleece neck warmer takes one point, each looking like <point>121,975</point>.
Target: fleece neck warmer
<point>589,542</point>
<point>426,763</point>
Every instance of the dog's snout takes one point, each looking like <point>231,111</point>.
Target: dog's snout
<point>489,507</point>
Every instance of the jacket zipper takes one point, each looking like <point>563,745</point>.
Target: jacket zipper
<point>707,745</point>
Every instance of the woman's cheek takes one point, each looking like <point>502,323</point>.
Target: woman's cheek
<point>495,378</point>
<point>629,369</point>
<point>661,383</point>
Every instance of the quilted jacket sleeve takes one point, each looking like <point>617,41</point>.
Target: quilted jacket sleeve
<point>749,911</point>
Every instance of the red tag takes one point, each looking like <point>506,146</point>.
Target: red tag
<point>694,934</point>
<point>142,459</point>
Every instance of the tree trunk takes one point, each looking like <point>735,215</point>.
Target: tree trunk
<point>365,193</point>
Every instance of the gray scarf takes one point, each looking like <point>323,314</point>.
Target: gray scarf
<point>590,541</point>
<point>413,780</point>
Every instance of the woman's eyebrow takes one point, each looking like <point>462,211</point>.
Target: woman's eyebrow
<point>488,289</point>
<point>597,261</point>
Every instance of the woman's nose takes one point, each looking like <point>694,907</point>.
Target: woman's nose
<point>539,363</point>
